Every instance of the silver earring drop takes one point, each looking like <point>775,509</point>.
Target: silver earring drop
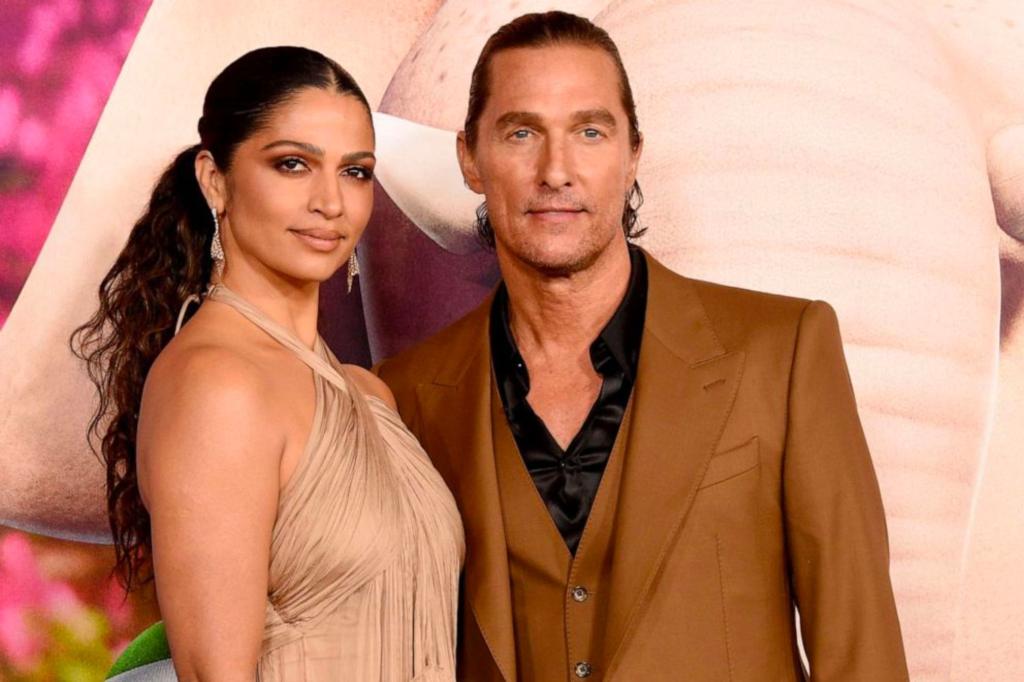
<point>353,269</point>
<point>216,249</point>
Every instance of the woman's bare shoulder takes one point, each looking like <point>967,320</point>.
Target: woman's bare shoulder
<point>205,391</point>
<point>193,366</point>
<point>370,384</point>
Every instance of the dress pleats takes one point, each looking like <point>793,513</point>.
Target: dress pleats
<point>367,545</point>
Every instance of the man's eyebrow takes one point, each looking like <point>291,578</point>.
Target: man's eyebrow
<point>600,115</point>
<point>518,118</point>
<point>304,146</point>
<point>528,118</point>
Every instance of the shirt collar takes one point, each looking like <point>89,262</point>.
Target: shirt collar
<point>621,337</point>
<point>617,346</point>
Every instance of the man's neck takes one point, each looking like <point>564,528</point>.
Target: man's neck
<point>554,316</point>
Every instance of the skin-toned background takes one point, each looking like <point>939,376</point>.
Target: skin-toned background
<point>862,152</point>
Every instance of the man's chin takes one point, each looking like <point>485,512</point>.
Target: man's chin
<point>558,253</point>
<point>554,262</point>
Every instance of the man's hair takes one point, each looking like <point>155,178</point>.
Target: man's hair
<point>545,30</point>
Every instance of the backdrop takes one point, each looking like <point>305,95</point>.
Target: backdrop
<point>865,152</point>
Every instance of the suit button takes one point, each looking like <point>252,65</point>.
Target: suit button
<point>583,669</point>
<point>580,594</point>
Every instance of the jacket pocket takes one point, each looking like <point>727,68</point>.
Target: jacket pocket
<point>731,463</point>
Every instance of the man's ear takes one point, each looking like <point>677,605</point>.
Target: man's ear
<point>468,164</point>
<point>211,181</point>
<point>634,162</point>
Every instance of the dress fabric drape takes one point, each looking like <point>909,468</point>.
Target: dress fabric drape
<point>367,545</point>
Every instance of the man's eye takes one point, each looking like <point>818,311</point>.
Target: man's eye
<point>591,133</point>
<point>521,134</point>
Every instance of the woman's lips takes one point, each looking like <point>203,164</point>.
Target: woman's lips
<point>319,239</point>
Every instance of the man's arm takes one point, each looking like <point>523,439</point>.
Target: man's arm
<point>835,523</point>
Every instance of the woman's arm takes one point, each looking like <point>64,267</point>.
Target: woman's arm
<point>209,457</point>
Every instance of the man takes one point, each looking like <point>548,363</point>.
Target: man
<point>651,470</point>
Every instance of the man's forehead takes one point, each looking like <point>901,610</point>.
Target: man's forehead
<point>552,58</point>
<point>567,77</point>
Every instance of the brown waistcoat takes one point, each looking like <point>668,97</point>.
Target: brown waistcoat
<point>558,600</point>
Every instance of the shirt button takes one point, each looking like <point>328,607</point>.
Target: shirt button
<point>583,669</point>
<point>580,594</point>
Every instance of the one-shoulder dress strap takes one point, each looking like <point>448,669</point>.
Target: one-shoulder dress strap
<point>316,361</point>
<point>194,298</point>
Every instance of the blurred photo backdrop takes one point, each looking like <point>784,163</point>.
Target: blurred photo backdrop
<point>62,615</point>
<point>865,152</point>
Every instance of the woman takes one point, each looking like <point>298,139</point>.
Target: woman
<point>293,525</point>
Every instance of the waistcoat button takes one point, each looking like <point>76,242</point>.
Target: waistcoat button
<point>580,594</point>
<point>583,669</point>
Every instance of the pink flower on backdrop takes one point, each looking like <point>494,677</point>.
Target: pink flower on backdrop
<point>10,112</point>
<point>63,605</point>
<point>19,643</point>
<point>115,605</point>
<point>21,589</point>
<point>21,584</point>
<point>58,62</point>
<point>60,601</point>
<point>33,140</point>
<point>29,601</point>
<point>104,12</point>
<point>46,23</point>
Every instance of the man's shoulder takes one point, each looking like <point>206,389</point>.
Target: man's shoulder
<point>739,315</point>
<point>752,305</point>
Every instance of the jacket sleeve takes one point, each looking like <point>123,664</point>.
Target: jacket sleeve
<point>835,523</point>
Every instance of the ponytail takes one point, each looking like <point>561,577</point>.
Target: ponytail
<point>165,261</point>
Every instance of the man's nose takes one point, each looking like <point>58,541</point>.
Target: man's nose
<point>555,164</point>
<point>326,197</point>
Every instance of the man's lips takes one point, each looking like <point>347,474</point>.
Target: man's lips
<point>555,209</point>
<point>555,213</point>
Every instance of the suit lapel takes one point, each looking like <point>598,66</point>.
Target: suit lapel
<point>685,388</point>
<point>457,408</point>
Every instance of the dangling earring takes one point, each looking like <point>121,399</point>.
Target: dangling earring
<point>353,269</point>
<point>216,249</point>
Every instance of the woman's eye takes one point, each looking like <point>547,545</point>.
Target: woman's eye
<point>358,172</point>
<point>291,164</point>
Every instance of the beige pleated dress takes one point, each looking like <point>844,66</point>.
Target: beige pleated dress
<point>367,545</point>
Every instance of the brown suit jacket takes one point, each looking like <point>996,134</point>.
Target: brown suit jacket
<point>746,487</point>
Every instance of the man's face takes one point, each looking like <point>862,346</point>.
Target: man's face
<point>553,156</point>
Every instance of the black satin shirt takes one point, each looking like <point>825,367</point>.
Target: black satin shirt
<point>567,480</point>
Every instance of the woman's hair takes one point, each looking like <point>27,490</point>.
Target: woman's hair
<point>166,260</point>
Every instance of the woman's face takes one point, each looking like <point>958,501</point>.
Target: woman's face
<point>299,191</point>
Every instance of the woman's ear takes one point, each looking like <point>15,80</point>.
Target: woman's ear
<point>211,180</point>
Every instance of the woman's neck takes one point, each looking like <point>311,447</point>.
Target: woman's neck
<point>293,304</point>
